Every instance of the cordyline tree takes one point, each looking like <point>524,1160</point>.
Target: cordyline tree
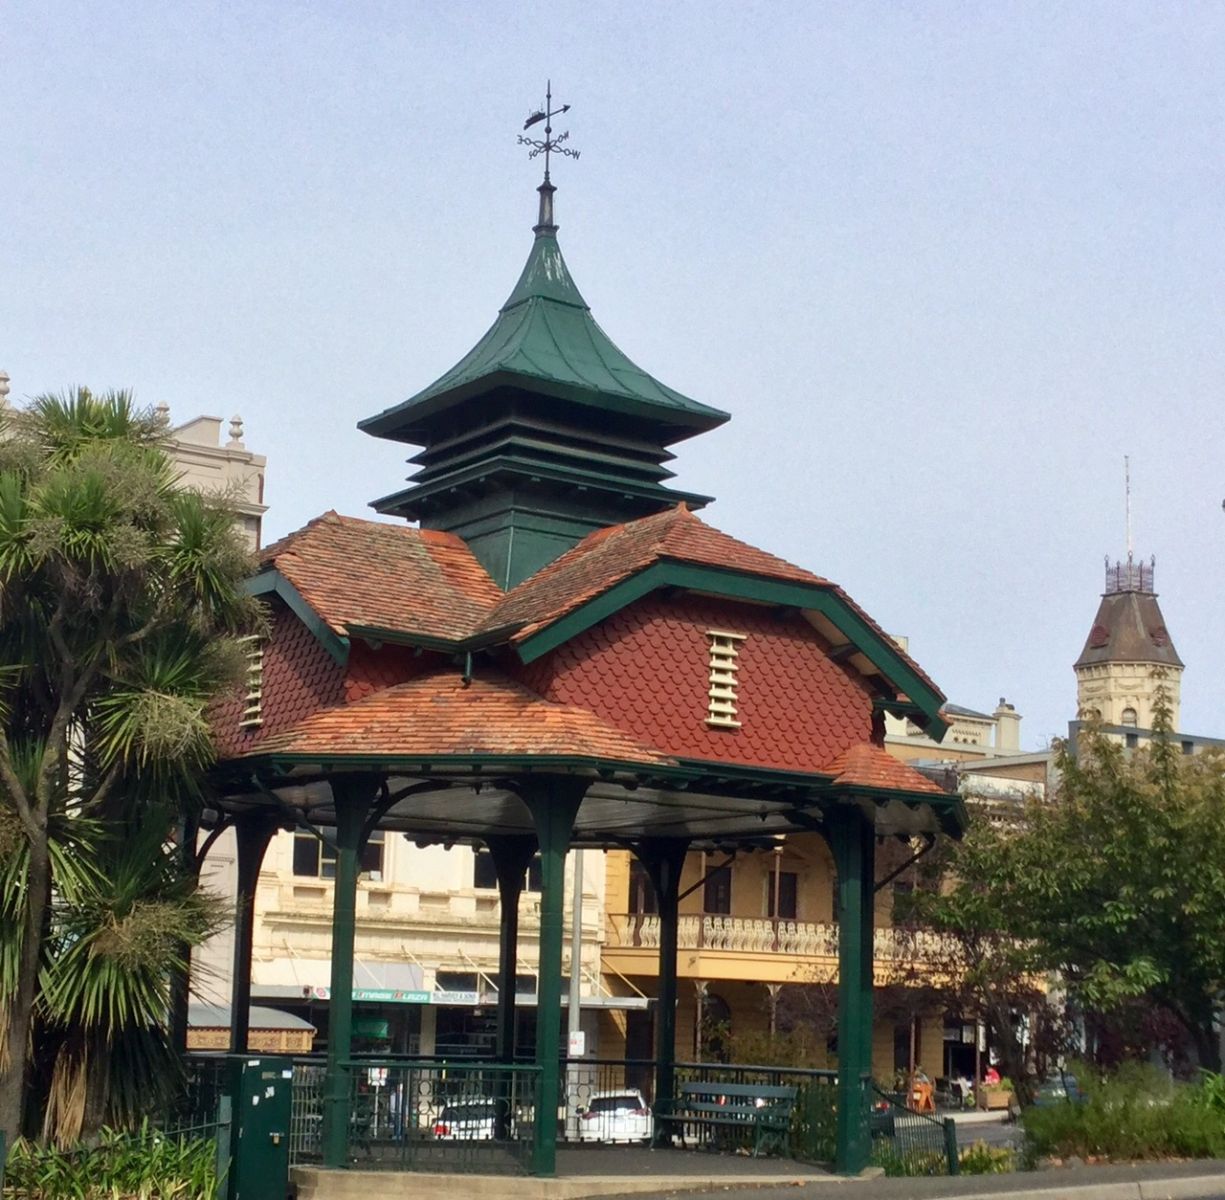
<point>1114,889</point>
<point>121,611</point>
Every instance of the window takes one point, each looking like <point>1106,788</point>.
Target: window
<point>717,891</point>
<point>788,882</point>
<point>317,859</point>
<point>724,665</point>
<point>1129,717</point>
<point>253,698</point>
<point>485,875</point>
<point>642,890</point>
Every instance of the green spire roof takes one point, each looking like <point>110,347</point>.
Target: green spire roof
<point>546,341</point>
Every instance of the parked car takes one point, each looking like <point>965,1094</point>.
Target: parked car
<point>882,1120</point>
<point>471,1121</point>
<point>622,1116</point>
<point>1058,1089</point>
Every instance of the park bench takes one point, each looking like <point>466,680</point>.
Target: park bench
<point>726,1112</point>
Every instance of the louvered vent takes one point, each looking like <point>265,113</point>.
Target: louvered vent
<point>724,665</point>
<point>253,701</point>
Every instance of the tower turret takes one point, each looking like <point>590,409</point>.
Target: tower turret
<point>1129,653</point>
<point>545,431</point>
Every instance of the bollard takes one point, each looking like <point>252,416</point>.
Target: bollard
<point>950,1145</point>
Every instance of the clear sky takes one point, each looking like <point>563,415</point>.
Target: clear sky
<point>945,264</point>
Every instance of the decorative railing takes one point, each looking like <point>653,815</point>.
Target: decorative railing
<point>761,935</point>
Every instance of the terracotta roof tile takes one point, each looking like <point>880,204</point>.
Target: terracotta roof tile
<point>608,556</point>
<point>436,714</point>
<point>871,766</point>
<point>354,572</point>
<point>605,558</point>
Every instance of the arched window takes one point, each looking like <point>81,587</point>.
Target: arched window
<point>1129,717</point>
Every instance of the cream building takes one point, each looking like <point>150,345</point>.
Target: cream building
<point>1129,654</point>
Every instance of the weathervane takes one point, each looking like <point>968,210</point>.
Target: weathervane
<point>550,144</point>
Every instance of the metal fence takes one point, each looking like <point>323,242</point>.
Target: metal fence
<point>423,1114</point>
<point>905,1142</point>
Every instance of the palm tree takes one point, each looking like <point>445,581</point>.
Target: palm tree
<point>121,614</point>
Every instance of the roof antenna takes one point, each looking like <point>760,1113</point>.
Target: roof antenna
<point>1127,504</point>
<point>549,145</point>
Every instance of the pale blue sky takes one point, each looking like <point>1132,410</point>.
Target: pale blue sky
<point>945,264</point>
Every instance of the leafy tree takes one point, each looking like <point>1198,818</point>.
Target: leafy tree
<point>1116,887</point>
<point>120,612</point>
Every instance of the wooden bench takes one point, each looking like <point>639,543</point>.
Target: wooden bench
<point>759,1109</point>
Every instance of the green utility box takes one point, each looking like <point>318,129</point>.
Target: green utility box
<point>262,1091</point>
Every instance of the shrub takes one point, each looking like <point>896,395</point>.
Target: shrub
<point>144,1165</point>
<point>1136,1113</point>
<point>896,1162</point>
<point>981,1159</point>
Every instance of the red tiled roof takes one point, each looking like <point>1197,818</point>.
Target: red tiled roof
<point>871,766</point>
<point>605,558</point>
<point>608,556</point>
<point>355,572</point>
<point>436,714</point>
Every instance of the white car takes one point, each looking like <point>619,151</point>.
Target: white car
<point>622,1116</point>
<point>471,1121</point>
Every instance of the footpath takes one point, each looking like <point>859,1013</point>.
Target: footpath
<point>1200,1180</point>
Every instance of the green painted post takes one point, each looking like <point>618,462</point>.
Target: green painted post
<point>950,1146</point>
<point>850,840</point>
<point>663,861</point>
<point>352,801</point>
<point>867,934</point>
<point>554,804</point>
<point>511,858</point>
<point>252,833</point>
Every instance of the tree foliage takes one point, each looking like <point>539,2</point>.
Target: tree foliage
<point>121,610</point>
<point>1114,889</point>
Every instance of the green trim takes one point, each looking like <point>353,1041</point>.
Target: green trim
<point>739,586</point>
<point>402,637</point>
<point>273,583</point>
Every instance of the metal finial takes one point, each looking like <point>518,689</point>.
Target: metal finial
<point>546,146</point>
<point>1127,502</point>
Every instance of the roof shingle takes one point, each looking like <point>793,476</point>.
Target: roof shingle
<point>368,573</point>
<point>870,766</point>
<point>437,714</point>
<point>608,556</point>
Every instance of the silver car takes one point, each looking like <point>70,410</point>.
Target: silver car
<point>621,1116</point>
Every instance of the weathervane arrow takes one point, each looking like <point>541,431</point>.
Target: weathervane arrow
<point>548,144</point>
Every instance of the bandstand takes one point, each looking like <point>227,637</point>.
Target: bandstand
<point>561,654</point>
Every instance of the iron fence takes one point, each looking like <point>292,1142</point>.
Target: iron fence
<point>423,1114</point>
<point>905,1142</point>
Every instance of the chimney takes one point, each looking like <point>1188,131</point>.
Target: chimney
<point>1007,727</point>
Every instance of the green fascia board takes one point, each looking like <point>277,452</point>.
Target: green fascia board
<point>403,422</point>
<point>406,637</point>
<point>529,468</point>
<point>438,765</point>
<point>737,585</point>
<point>273,583</point>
